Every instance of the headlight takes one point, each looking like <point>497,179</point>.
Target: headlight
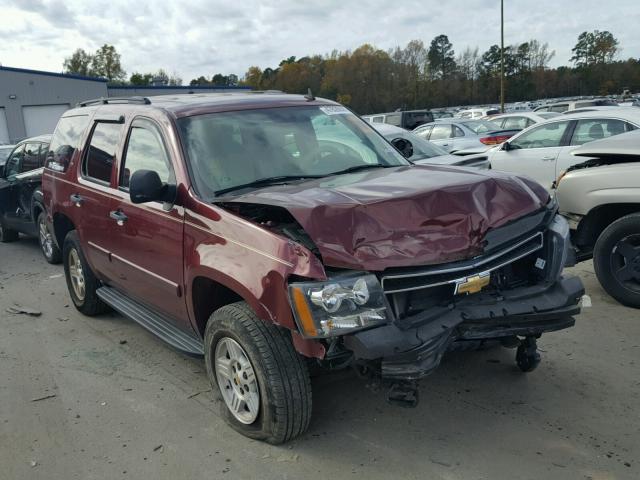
<point>339,305</point>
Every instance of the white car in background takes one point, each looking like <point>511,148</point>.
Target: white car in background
<point>521,120</point>
<point>475,113</point>
<point>543,151</point>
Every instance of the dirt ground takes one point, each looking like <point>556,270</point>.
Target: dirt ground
<point>121,404</point>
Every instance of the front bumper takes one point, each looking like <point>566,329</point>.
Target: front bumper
<point>413,348</point>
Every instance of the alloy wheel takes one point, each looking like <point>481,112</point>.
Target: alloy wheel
<point>77,274</point>
<point>237,380</point>
<point>46,240</point>
<point>625,261</point>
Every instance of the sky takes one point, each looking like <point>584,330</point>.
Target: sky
<point>204,37</point>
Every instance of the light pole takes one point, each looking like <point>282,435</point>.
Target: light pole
<point>502,56</point>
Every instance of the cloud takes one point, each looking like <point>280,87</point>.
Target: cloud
<point>203,37</point>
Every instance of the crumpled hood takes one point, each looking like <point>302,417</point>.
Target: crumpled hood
<point>403,216</point>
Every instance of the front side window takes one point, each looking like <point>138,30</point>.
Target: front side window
<point>65,141</point>
<point>423,132</point>
<point>145,151</point>
<point>440,132</point>
<point>233,150</point>
<point>12,167</point>
<point>100,157</point>
<point>595,129</point>
<point>31,157</point>
<point>548,135</point>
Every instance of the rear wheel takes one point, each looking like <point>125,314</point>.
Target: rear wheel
<point>7,235</point>
<point>48,246</point>
<point>616,260</point>
<point>262,383</point>
<point>81,281</point>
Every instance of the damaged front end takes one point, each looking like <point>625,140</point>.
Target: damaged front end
<point>397,324</point>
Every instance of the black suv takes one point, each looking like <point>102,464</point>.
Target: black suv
<point>21,205</point>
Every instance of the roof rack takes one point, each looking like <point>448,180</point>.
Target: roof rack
<point>115,100</point>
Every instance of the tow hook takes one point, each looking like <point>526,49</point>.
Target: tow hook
<point>404,394</point>
<point>527,355</point>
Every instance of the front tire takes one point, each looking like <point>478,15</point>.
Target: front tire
<point>48,246</point>
<point>81,281</point>
<point>260,381</point>
<point>616,260</point>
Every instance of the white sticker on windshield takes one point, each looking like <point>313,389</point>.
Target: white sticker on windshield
<point>334,110</point>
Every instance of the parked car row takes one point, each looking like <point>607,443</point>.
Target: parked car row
<point>270,232</point>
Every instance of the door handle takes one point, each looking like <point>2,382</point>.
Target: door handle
<point>76,199</point>
<point>119,217</point>
<point>548,159</point>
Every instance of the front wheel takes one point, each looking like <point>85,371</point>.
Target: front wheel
<point>261,382</point>
<point>48,246</point>
<point>81,281</point>
<point>616,260</point>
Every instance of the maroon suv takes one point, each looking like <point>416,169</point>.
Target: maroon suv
<point>273,232</point>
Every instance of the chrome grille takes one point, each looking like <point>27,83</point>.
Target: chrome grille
<point>416,279</point>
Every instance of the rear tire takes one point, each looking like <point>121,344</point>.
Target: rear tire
<point>7,235</point>
<point>281,376</point>
<point>616,260</point>
<point>48,246</point>
<point>81,281</point>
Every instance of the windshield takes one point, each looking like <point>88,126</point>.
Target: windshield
<point>422,148</point>
<point>481,126</point>
<point>234,149</point>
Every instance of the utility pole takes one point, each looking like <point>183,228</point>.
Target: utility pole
<point>502,56</point>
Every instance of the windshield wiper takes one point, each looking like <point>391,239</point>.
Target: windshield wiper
<point>262,182</point>
<point>361,167</point>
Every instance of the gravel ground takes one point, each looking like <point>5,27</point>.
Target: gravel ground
<point>101,398</point>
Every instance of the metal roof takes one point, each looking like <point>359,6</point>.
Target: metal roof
<point>53,74</point>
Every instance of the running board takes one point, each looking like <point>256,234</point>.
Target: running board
<point>152,321</point>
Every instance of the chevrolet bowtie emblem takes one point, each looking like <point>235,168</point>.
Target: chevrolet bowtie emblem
<point>472,284</point>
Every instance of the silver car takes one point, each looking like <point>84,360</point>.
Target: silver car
<point>600,197</point>
<point>454,134</point>
<point>419,150</point>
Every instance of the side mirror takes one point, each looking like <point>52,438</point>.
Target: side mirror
<point>506,146</point>
<point>146,186</point>
<point>404,147</point>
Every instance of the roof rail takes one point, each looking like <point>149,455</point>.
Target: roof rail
<point>115,100</point>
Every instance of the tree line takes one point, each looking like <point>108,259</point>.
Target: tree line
<point>371,80</point>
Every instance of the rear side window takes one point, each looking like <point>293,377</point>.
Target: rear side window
<point>395,119</point>
<point>596,129</point>
<point>99,159</point>
<point>66,140</point>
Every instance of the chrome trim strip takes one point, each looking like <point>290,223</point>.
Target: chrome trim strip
<point>144,270</point>
<point>455,280</point>
<point>481,261</point>
<point>98,247</point>
<point>240,244</point>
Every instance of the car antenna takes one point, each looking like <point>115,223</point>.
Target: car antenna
<point>309,96</point>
